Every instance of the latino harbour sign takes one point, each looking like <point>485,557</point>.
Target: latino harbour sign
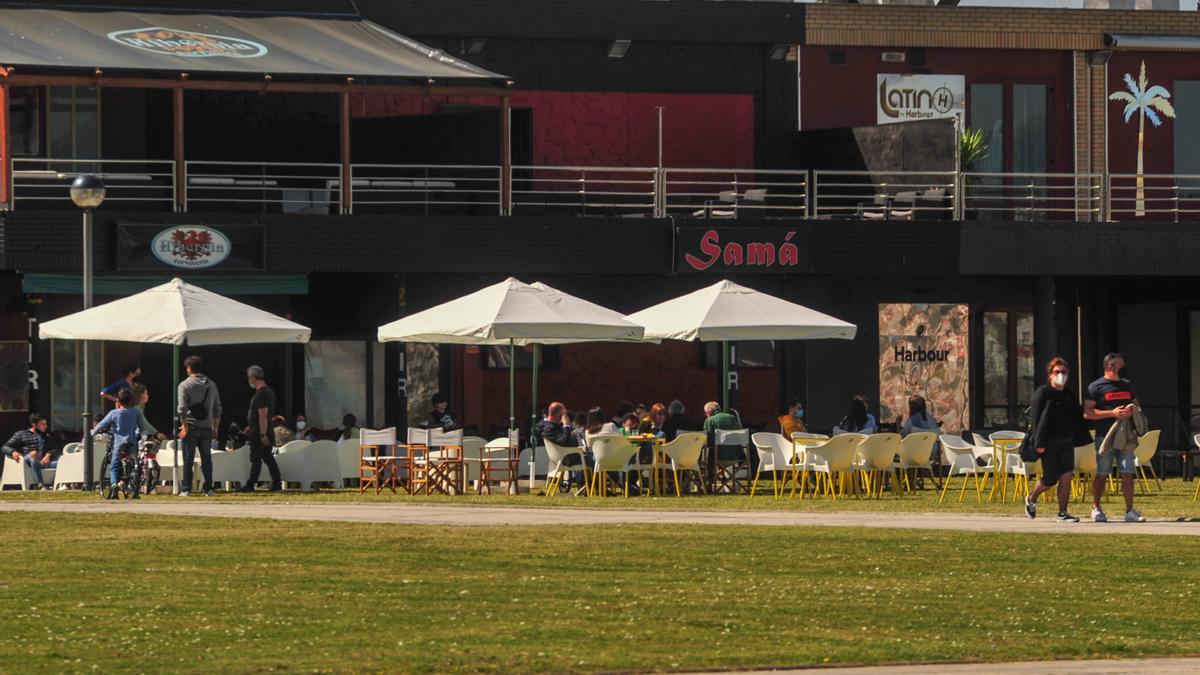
<point>906,98</point>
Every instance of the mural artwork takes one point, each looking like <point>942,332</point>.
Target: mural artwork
<point>1147,102</point>
<point>923,349</point>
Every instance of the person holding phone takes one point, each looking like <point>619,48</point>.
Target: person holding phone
<point>1109,399</point>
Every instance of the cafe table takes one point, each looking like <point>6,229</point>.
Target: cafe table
<point>1001,448</point>
<point>658,460</point>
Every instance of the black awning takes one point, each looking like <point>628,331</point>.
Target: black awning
<point>201,43</point>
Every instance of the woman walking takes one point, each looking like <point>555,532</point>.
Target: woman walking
<point>1057,429</point>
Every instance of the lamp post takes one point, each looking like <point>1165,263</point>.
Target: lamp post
<point>87,191</point>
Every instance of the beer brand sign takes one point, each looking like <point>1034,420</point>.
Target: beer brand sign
<point>908,98</point>
<point>188,44</point>
<point>192,247</point>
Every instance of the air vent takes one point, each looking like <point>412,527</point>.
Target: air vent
<point>892,57</point>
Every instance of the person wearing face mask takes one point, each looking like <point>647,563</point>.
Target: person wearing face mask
<point>303,433</point>
<point>792,420</point>
<point>1057,427</point>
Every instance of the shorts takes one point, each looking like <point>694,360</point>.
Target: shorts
<point>1056,461</point>
<point>1126,462</point>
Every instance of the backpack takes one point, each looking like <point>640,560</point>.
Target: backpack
<point>199,411</point>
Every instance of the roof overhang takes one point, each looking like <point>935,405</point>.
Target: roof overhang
<point>1152,42</point>
<point>237,47</point>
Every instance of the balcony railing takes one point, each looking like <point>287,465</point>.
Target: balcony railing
<point>640,192</point>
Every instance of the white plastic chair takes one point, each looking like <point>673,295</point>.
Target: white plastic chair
<point>231,466</point>
<point>833,457</point>
<point>309,464</point>
<point>775,455</point>
<point>472,449</point>
<point>960,457</point>
<point>349,459</point>
<point>556,457</point>
<point>1023,473</point>
<point>1143,454</point>
<point>877,456</point>
<point>684,453</point>
<point>19,474</point>
<point>916,454</point>
<point>612,453</point>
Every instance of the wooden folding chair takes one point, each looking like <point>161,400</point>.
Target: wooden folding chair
<point>498,462</point>
<point>376,456</point>
<point>417,464</point>
<point>446,466</point>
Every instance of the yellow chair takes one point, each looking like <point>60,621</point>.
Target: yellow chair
<point>1085,470</point>
<point>876,457</point>
<point>833,457</point>
<point>960,456</point>
<point>916,455</point>
<point>1144,453</point>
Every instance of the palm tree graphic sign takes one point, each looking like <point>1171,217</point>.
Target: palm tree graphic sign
<point>1145,101</point>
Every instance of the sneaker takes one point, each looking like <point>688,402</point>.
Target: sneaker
<point>112,493</point>
<point>209,493</point>
<point>1030,508</point>
<point>185,493</point>
<point>1067,518</point>
<point>275,487</point>
<point>246,488</point>
<point>1132,516</point>
<point>1098,516</point>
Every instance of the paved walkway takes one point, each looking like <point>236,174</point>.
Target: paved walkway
<point>1131,667</point>
<point>410,514</point>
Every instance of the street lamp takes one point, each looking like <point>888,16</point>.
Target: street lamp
<point>87,191</point>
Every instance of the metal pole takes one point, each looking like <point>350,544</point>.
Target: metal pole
<point>88,468</point>
<point>537,352</point>
<point>724,376</point>
<point>175,418</point>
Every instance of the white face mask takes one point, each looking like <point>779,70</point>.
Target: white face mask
<point>300,424</point>
<point>1059,379</point>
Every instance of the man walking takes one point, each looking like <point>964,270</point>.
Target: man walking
<point>1109,400</point>
<point>200,412</point>
<point>259,432</point>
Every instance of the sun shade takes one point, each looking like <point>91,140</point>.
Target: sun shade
<point>200,43</point>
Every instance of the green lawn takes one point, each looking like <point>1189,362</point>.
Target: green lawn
<point>1174,501</point>
<point>140,593</point>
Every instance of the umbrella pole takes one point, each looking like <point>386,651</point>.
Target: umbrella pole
<point>175,418</point>
<point>512,408</point>
<point>537,352</point>
<point>724,376</point>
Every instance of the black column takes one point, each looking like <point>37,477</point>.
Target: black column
<point>1045,325</point>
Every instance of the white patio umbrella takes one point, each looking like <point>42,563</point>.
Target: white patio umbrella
<point>514,313</point>
<point>175,313</point>
<point>727,311</point>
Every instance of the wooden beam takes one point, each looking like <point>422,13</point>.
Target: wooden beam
<point>5,148</point>
<point>177,142</point>
<point>347,179</point>
<point>275,85</point>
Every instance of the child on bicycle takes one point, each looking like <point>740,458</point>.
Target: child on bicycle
<point>126,425</point>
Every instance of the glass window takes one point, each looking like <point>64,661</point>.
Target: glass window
<point>1029,128</point>
<point>1187,133</point>
<point>335,382</point>
<point>14,376</point>
<point>23,121</point>
<point>987,115</point>
<point>1025,361</point>
<point>995,369</point>
<point>74,123</point>
<point>746,354</point>
<point>496,357</point>
<point>66,388</point>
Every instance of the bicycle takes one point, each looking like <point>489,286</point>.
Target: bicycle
<point>132,468</point>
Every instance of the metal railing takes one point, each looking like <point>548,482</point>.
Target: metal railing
<point>426,188</point>
<point>133,183</point>
<point>1032,196</point>
<point>292,187</point>
<point>733,193</point>
<point>1153,196</point>
<point>585,190</point>
<point>872,195</point>
<point>429,189</point>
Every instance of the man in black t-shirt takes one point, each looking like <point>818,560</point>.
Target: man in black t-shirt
<point>259,432</point>
<point>1107,401</point>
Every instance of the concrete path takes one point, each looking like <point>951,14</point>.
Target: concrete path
<point>1131,667</point>
<point>409,514</point>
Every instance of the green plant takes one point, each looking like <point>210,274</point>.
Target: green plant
<point>972,147</point>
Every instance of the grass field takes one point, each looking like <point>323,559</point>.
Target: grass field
<point>138,593</point>
<point>1174,501</point>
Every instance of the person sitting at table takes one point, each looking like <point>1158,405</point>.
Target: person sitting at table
<point>641,410</point>
<point>658,415</point>
<point>629,424</point>
<point>918,418</point>
<point>857,420</point>
<point>714,419</point>
<point>579,426</point>
<point>283,435</point>
<point>349,428</point>
<point>303,433</point>
<point>441,417</point>
<point>596,424</point>
<point>676,421</point>
<point>792,419</point>
<point>557,428</point>
<point>623,409</point>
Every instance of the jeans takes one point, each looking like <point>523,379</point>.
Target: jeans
<point>114,465</point>
<point>260,455</point>
<point>198,437</point>
<point>37,467</point>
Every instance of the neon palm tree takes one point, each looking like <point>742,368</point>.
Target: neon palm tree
<point>1144,101</point>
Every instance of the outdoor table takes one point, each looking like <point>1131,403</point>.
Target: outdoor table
<point>656,440</point>
<point>1001,448</point>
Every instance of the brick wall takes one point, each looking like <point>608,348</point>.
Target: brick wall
<point>984,27</point>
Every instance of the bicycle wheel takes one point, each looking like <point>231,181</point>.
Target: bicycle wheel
<point>130,474</point>
<point>104,483</point>
<point>152,478</point>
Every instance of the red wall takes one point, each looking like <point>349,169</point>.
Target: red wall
<point>613,128</point>
<point>844,95</point>
<point>603,374</point>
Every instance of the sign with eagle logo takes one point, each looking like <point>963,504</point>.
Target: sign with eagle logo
<point>191,247</point>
